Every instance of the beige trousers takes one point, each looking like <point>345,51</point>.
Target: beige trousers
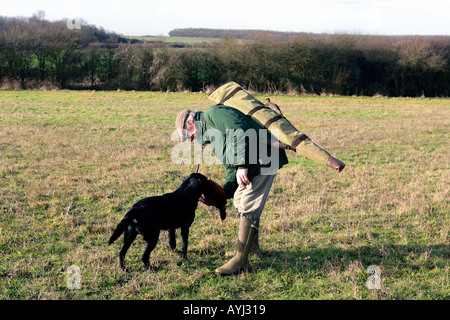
<point>250,201</point>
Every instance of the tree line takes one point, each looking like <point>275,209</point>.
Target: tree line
<point>34,51</point>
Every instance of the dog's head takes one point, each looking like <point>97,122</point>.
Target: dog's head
<point>196,181</point>
<point>209,192</point>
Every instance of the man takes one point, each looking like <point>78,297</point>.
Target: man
<point>249,176</point>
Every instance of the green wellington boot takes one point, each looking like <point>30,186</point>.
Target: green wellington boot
<point>255,250</point>
<point>247,234</point>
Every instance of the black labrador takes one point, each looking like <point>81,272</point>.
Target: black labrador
<point>166,212</point>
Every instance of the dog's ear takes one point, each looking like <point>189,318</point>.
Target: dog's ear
<point>215,195</point>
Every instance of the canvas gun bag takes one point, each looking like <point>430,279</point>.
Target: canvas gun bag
<point>233,95</point>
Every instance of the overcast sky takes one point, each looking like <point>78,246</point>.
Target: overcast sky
<point>158,17</point>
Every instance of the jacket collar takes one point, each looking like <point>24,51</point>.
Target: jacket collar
<point>200,124</point>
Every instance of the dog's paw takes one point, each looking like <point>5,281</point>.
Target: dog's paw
<point>223,213</point>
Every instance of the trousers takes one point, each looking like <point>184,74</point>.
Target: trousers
<point>250,201</point>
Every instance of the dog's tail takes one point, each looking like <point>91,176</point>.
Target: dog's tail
<point>126,221</point>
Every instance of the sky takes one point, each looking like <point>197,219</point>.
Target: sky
<point>158,17</point>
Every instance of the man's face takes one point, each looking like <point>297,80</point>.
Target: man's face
<point>190,128</point>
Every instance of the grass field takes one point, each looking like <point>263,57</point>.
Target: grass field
<point>72,163</point>
<point>185,40</point>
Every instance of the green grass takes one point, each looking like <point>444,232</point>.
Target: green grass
<point>72,164</point>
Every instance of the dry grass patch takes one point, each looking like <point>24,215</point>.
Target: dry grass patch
<point>72,163</point>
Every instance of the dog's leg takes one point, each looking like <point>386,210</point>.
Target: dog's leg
<point>129,237</point>
<point>151,244</point>
<point>172,240</point>
<point>184,236</point>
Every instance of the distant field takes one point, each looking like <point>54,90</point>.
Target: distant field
<point>72,164</point>
<point>187,40</point>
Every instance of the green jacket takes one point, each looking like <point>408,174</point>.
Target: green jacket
<point>220,126</point>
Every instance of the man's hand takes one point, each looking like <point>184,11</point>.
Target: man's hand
<point>335,164</point>
<point>241,177</point>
